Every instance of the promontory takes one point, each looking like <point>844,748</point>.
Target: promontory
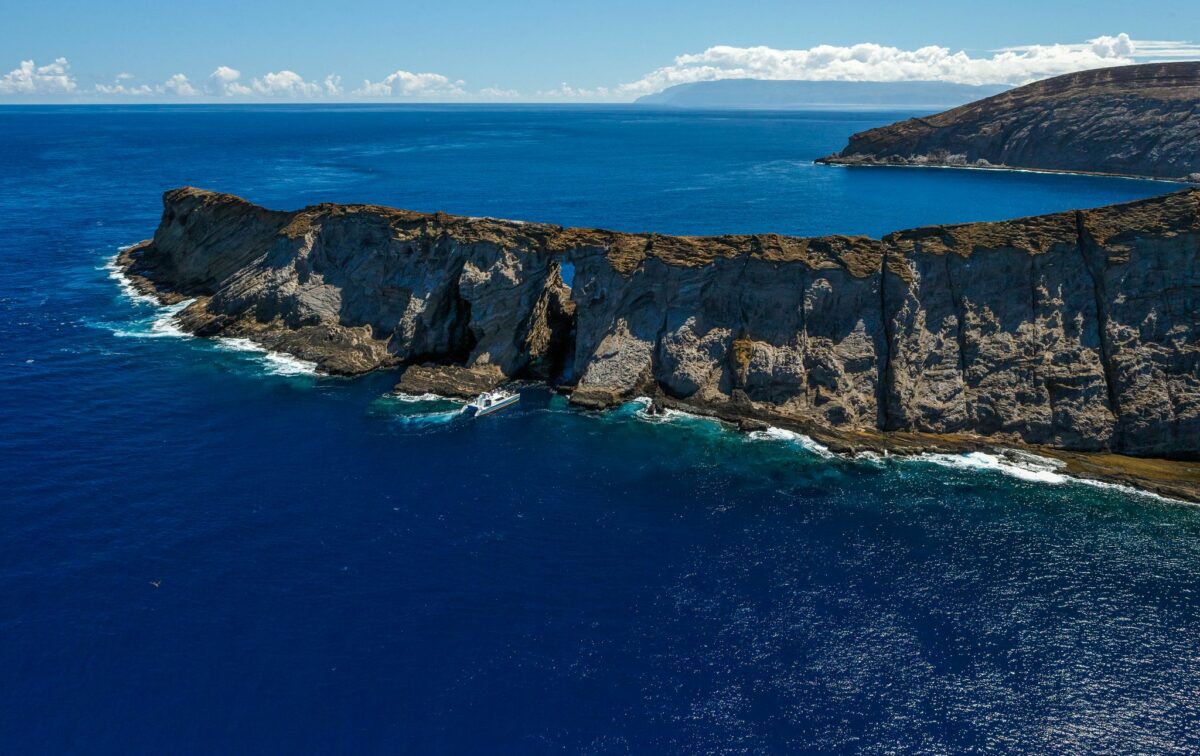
<point>1141,120</point>
<point>1076,333</point>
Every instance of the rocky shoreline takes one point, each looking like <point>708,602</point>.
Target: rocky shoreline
<point>1072,335</point>
<point>958,162</point>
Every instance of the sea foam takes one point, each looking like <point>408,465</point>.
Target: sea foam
<point>1032,468</point>
<point>665,414</point>
<point>275,363</point>
<point>164,325</point>
<point>799,439</point>
<point>117,273</point>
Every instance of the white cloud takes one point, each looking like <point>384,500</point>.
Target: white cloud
<point>227,82</point>
<point>224,81</point>
<point>408,84</point>
<point>178,86</point>
<point>32,79</point>
<point>872,62</point>
<point>129,90</point>
<point>860,62</point>
<point>286,84</point>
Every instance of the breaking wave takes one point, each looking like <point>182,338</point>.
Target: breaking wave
<point>799,439</point>
<point>275,363</point>
<point>163,325</point>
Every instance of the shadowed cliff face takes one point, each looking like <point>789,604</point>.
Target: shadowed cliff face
<point>1134,120</point>
<point>1076,330</point>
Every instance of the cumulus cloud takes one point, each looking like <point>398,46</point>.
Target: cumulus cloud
<point>128,90</point>
<point>873,62</point>
<point>177,86</point>
<point>409,84</point>
<point>285,84</point>
<point>225,81</point>
<point>32,79</point>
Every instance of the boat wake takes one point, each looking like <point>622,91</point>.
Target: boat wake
<point>419,410</point>
<point>420,398</point>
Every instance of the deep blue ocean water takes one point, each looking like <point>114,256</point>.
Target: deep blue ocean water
<point>206,550</point>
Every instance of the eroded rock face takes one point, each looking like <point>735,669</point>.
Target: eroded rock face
<point>787,322</point>
<point>355,288</point>
<point>1145,261</point>
<point>1134,120</point>
<point>996,334</point>
<point>1076,330</point>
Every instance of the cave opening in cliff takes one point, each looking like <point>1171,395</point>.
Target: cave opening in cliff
<point>561,319</point>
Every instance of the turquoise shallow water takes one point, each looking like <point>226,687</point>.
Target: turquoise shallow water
<point>203,548</point>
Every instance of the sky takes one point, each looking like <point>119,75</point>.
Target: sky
<point>541,51</point>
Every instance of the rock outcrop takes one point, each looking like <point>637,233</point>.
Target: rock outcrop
<point>1141,120</point>
<point>1078,331</point>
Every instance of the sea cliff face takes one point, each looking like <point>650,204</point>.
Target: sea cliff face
<point>1133,120</point>
<point>1076,330</point>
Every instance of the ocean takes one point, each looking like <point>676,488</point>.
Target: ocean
<point>206,548</point>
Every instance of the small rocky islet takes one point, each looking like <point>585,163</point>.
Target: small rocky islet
<point>1074,334</point>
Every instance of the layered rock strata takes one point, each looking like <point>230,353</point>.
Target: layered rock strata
<point>1077,331</point>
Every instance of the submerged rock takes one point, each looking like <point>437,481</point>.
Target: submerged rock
<point>1076,331</point>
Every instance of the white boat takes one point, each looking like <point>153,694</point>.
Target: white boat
<point>491,401</point>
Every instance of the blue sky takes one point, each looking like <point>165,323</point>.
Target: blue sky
<point>538,50</point>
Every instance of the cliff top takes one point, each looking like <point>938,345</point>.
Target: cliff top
<point>859,255</point>
<point>1152,81</point>
<point>1161,82</point>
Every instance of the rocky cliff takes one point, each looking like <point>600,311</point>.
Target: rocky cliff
<point>1141,120</point>
<point>1077,331</point>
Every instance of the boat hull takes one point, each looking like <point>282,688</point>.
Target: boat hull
<point>478,412</point>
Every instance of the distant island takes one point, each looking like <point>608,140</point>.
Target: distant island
<point>760,94</point>
<point>1141,120</point>
<point>1072,332</point>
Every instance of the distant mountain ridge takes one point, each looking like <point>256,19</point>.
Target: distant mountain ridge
<point>1141,120</point>
<point>763,94</point>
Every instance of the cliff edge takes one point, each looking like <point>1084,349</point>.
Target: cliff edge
<point>1076,331</point>
<point>1141,120</point>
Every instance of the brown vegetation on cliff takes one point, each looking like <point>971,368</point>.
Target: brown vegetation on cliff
<point>1141,120</point>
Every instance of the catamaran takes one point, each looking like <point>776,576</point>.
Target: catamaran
<point>491,401</point>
